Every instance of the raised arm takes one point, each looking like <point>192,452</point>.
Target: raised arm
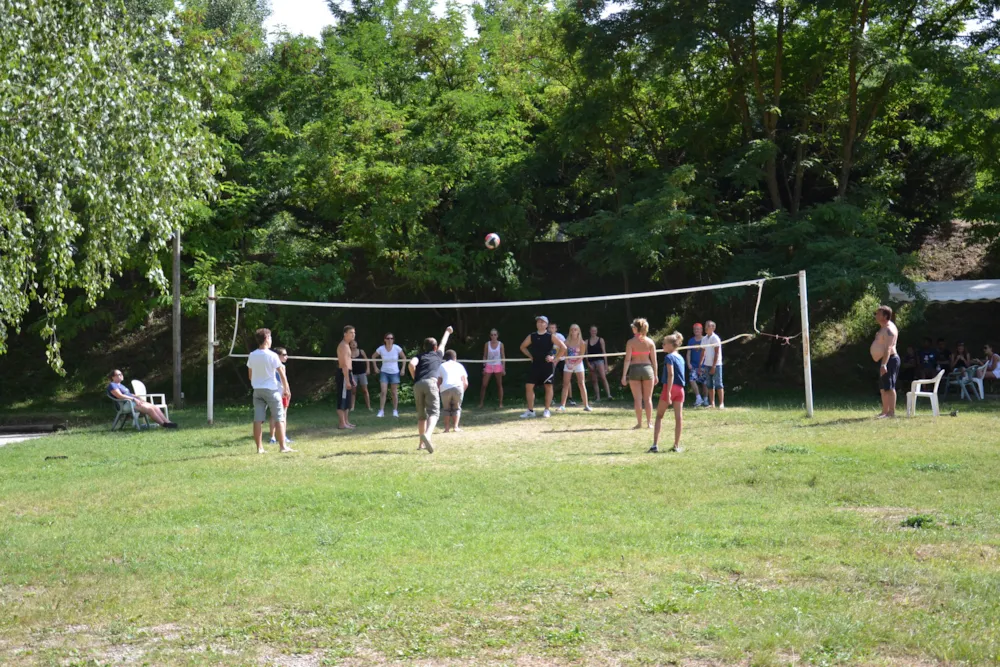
<point>444,339</point>
<point>413,367</point>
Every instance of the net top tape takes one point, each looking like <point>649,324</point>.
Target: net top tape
<point>507,304</point>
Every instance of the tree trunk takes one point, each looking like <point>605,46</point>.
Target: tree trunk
<point>858,22</point>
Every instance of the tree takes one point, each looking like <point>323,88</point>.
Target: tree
<point>103,150</point>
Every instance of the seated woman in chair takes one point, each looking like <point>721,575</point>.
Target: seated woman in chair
<point>118,391</point>
<point>991,364</point>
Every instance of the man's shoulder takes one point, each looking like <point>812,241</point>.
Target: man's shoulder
<point>893,329</point>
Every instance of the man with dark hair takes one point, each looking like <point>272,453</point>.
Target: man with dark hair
<point>883,350</point>
<point>928,359</point>
<point>344,380</point>
<point>538,347</point>
<point>270,387</point>
<point>425,369</point>
<point>943,356</point>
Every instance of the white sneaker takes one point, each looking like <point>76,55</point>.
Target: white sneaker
<point>273,441</point>
<point>587,408</point>
<point>381,413</point>
<point>561,408</point>
<point>528,414</point>
<point>698,402</point>
<point>721,406</point>
<point>395,413</point>
<point>546,414</point>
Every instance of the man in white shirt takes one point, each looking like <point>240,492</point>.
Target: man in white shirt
<point>453,380</point>
<point>711,363</point>
<point>270,385</point>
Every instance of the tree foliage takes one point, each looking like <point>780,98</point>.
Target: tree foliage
<point>103,148</point>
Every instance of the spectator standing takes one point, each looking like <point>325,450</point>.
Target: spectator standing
<point>285,400</point>
<point>560,367</point>
<point>389,370</point>
<point>695,372</point>
<point>711,363</point>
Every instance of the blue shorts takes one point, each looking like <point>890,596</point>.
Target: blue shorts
<point>388,378</point>
<point>698,375</point>
<point>714,381</point>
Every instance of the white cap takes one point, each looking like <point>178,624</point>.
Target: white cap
<point>542,318</point>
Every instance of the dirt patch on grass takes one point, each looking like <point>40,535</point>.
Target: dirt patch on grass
<point>892,517</point>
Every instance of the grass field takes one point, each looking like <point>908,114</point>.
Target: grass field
<point>773,539</point>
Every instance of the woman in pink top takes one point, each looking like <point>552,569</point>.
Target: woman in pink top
<point>496,366</point>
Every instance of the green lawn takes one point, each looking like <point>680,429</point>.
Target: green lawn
<point>772,539</point>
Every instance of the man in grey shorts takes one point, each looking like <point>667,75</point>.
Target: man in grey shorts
<point>424,369</point>
<point>453,381</point>
<point>270,385</point>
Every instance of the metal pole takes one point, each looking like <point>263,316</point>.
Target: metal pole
<point>211,352</point>
<point>806,355</point>
<point>178,395</point>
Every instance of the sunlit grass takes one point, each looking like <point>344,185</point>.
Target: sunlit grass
<point>772,538</point>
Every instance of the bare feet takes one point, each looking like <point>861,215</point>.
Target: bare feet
<point>637,427</point>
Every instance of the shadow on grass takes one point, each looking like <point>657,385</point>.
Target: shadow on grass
<point>191,458</point>
<point>376,452</point>
<point>599,453</point>
<point>583,430</point>
<point>839,422</point>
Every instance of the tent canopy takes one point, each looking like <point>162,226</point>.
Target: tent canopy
<point>951,291</point>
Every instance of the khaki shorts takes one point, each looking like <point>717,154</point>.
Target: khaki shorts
<point>425,393</point>
<point>451,401</point>
<point>639,372</point>
<point>267,399</point>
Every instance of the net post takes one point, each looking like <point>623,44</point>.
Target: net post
<point>211,353</point>
<point>806,353</point>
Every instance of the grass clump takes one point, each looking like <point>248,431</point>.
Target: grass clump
<point>918,521</point>
<point>787,449</point>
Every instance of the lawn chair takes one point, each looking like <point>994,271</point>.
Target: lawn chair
<point>125,412</point>
<point>915,393</point>
<point>159,400</point>
<point>969,379</point>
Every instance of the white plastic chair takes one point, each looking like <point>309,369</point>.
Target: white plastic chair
<point>159,400</point>
<point>915,393</point>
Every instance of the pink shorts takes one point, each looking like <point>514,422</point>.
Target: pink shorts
<point>676,394</point>
<point>493,368</point>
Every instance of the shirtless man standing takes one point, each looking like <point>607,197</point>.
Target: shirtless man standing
<point>883,351</point>
<point>344,381</point>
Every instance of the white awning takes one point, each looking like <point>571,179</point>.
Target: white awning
<point>952,291</point>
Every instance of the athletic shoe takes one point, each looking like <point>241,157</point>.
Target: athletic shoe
<point>546,414</point>
<point>528,414</point>
<point>427,444</point>
<point>395,413</point>
<point>381,413</point>
<point>561,408</point>
<point>653,450</point>
<point>722,406</point>
<point>170,425</point>
<point>572,403</point>
<point>587,408</point>
<point>273,441</point>
<point>698,402</point>
<point>288,440</point>
<point>677,449</point>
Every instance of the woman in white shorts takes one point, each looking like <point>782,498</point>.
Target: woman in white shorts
<point>575,348</point>
<point>496,366</point>
<point>991,364</point>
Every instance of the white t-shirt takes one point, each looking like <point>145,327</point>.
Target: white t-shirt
<point>263,364</point>
<point>451,374</point>
<point>390,358</point>
<point>708,359</point>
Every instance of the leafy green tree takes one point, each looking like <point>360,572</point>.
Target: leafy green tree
<point>103,149</point>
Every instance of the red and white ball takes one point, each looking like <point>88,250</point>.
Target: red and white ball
<point>492,241</point>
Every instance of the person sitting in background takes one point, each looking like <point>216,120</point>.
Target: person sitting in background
<point>119,392</point>
<point>928,360</point>
<point>908,367</point>
<point>991,364</point>
<point>960,358</point>
<point>943,355</point>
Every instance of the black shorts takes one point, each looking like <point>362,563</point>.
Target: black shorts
<point>541,373</point>
<point>887,382</point>
<point>343,389</point>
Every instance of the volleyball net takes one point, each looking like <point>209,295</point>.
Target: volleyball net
<point>241,303</point>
